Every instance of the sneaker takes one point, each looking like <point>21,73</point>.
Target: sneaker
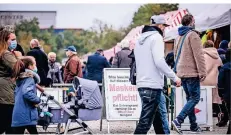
<point>196,131</point>
<point>177,126</point>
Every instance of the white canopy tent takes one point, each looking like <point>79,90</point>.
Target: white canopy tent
<point>216,17</point>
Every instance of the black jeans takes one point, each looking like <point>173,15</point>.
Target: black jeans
<point>229,113</point>
<point>6,118</point>
<point>20,130</point>
<point>150,99</point>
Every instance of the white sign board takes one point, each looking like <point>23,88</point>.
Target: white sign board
<point>122,99</point>
<point>56,92</point>
<point>200,109</point>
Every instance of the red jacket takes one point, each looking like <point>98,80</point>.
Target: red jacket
<point>72,68</point>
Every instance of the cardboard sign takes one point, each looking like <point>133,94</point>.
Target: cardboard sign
<point>122,99</point>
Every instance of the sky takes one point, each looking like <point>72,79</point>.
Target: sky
<point>83,15</point>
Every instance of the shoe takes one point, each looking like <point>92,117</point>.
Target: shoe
<point>221,124</point>
<point>196,131</point>
<point>177,126</point>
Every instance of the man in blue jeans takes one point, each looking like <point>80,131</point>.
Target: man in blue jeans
<point>150,70</point>
<point>190,67</point>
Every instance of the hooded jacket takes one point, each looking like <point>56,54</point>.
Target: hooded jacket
<point>25,94</point>
<point>191,61</point>
<point>150,63</point>
<point>212,61</point>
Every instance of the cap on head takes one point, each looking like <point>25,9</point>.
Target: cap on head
<point>158,19</point>
<point>70,48</point>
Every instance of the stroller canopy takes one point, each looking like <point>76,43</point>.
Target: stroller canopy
<point>91,96</point>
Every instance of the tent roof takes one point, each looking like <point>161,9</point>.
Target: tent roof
<point>214,17</point>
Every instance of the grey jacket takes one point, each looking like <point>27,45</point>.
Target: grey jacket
<point>121,59</point>
<point>54,73</point>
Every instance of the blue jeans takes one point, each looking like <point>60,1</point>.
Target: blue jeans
<point>164,114</point>
<point>150,113</point>
<point>192,90</point>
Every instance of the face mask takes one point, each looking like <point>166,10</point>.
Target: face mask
<point>35,70</point>
<point>13,45</point>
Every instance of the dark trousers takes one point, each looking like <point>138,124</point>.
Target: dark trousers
<point>150,99</point>
<point>192,90</point>
<point>20,130</point>
<point>6,118</point>
<point>229,113</point>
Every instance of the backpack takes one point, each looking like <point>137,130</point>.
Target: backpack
<point>132,78</point>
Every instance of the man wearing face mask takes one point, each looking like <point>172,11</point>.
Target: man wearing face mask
<point>54,73</point>
<point>190,67</point>
<point>14,45</point>
<point>151,68</point>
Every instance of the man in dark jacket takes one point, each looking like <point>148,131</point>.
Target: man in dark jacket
<point>121,59</point>
<point>41,61</point>
<point>54,73</point>
<point>95,65</point>
<point>224,84</point>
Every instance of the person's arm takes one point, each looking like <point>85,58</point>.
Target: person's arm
<point>198,54</point>
<point>9,59</point>
<point>60,76</point>
<point>115,63</point>
<point>106,63</point>
<point>221,82</point>
<point>28,91</point>
<point>157,49</point>
<point>79,69</point>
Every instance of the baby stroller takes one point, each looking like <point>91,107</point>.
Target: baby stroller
<point>85,105</point>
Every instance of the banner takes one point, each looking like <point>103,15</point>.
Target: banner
<point>122,99</point>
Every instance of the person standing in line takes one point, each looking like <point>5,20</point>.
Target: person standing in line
<point>150,70</point>
<point>54,70</point>
<point>41,61</point>
<point>213,63</point>
<point>121,59</point>
<point>224,85</point>
<point>95,65</point>
<point>73,66</point>
<point>190,67</point>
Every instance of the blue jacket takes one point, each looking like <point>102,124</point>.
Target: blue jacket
<point>95,65</point>
<point>25,113</point>
<point>224,81</point>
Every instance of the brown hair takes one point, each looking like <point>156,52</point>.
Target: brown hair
<point>4,37</point>
<point>187,19</point>
<point>208,44</point>
<point>21,65</point>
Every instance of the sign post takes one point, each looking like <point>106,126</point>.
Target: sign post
<point>122,99</point>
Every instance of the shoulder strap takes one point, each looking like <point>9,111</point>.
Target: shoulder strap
<point>179,52</point>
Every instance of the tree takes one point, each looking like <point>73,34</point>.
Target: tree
<point>142,16</point>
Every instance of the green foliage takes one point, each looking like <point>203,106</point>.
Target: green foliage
<point>100,35</point>
<point>142,16</point>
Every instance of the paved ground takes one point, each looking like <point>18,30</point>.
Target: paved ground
<point>127,127</point>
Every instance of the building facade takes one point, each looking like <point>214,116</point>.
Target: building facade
<point>46,18</point>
